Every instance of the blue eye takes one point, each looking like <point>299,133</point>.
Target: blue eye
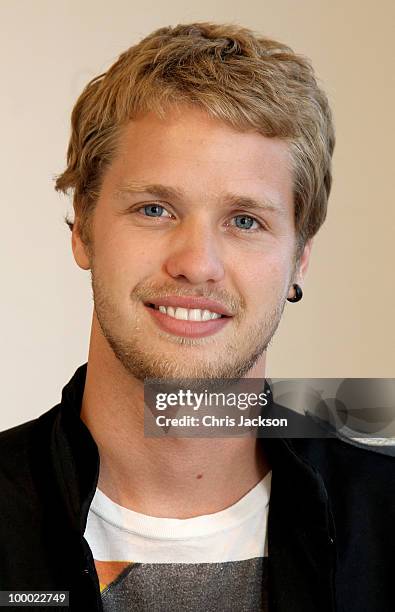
<point>245,225</point>
<point>155,208</point>
<point>243,222</point>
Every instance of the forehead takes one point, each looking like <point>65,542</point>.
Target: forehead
<point>202,156</point>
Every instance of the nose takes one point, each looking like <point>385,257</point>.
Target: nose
<point>194,253</point>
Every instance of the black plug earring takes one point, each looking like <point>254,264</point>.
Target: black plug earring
<point>298,294</point>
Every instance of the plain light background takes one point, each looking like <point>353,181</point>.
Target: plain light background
<point>344,326</point>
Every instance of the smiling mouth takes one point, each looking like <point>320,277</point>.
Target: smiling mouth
<point>198,315</point>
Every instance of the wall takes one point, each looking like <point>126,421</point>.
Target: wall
<point>344,325</point>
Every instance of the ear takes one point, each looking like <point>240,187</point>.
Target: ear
<point>302,266</point>
<point>304,261</point>
<point>80,250</point>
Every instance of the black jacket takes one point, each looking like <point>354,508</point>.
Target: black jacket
<point>331,522</point>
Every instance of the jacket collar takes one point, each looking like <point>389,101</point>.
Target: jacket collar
<point>75,453</point>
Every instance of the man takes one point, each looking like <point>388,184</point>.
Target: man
<point>200,164</point>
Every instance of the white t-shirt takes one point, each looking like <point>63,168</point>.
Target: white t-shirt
<point>211,562</point>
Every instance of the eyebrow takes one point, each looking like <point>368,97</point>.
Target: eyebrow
<point>229,199</point>
<point>159,191</point>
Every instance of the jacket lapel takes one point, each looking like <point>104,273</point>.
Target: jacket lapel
<point>300,542</point>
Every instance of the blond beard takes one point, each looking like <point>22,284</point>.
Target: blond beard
<point>233,358</point>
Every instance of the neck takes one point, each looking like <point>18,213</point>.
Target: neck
<point>163,477</point>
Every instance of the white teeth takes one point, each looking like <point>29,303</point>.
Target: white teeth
<point>181,313</point>
<point>195,314</point>
<point>207,315</point>
<point>186,314</point>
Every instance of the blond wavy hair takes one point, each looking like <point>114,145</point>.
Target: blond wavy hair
<point>243,79</point>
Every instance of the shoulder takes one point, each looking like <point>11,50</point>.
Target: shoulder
<point>14,443</point>
<point>340,448</point>
<point>316,441</point>
<point>16,439</point>
<point>349,465</point>
<point>19,447</point>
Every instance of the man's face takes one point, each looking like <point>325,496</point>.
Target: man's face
<point>191,207</point>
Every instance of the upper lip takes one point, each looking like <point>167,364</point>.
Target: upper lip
<point>191,302</point>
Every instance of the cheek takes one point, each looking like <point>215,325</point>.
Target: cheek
<point>270,270</point>
<point>121,250</point>
<point>266,281</point>
<point>122,262</point>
